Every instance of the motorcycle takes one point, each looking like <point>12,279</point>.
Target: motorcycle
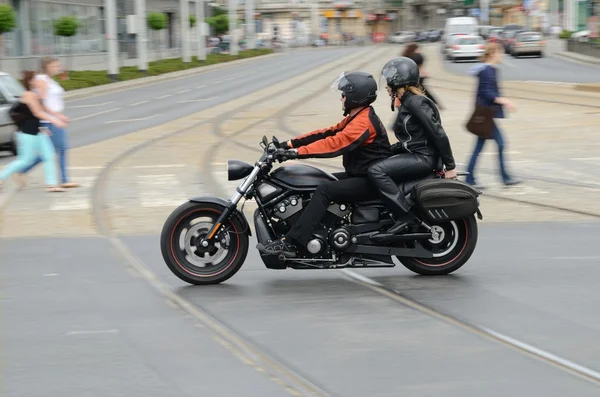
<point>206,240</point>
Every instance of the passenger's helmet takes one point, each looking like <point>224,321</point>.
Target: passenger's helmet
<point>400,72</point>
<point>360,89</point>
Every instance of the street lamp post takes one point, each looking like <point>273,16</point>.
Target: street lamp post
<point>232,26</point>
<point>185,23</point>
<point>141,35</point>
<point>110,21</point>
<point>200,30</point>
<point>251,40</point>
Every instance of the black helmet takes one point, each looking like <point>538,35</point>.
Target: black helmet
<point>400,72</point>
<point>359,88</point>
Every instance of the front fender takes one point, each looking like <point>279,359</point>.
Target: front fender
<point>223,203</point>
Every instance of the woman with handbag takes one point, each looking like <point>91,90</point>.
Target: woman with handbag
<point>489,105</point>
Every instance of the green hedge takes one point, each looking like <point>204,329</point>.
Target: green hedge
<point>89,78</point>
<point>565,34</point>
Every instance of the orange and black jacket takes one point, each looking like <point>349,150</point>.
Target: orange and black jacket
<point>361,139</point>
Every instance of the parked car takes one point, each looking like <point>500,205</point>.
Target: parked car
<point>528,43</point>
<point>402,37</point>
<point>508,38</point>
<point>495,35</point>
<point>465,47</point>
<point>10,91</point>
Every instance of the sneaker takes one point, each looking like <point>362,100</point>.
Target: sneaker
<point>277,247</point>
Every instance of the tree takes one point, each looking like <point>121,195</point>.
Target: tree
<point>66,27</point>
<point>157,21</point>
<point>8,21</point>
<point>192,21</point>
<point>220,23</point>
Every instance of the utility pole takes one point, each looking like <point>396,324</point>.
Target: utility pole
<point>232,26</point>
<point>184,11</point>
<point>200,30</point>
<point>110,21</point>
<point>251,40</point>
<point>141,35</point>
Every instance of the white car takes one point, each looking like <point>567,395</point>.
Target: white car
<point>402,37</point>
<point>10,90</point>
<point>465,47</point>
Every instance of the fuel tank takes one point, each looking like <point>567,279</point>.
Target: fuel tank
<point>301,176</point>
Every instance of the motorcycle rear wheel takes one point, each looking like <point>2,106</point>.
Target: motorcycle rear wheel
<point>452,249</point>
<point>187,259</point>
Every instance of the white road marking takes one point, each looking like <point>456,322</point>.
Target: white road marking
<point>222,81</point>
<point>594,159</point>
<point>160,190</point>
<point>139,103</point>
<point>95,114</point>
<point>131,120</point>
<point>50,274</point>
<point>183,91</point>
<point>90,106</point>
<point>198,100</point>
<point>202,86</point>
<point>74,199</point>
<point>164,96</point>
<point>98,332</point>
<point>160,166</point>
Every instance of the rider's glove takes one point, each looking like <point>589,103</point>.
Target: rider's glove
<point>286,154</point>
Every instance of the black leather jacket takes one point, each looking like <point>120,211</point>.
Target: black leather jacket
<point>418,128</point>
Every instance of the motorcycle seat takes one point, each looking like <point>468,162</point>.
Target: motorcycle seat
<point>405,188</point>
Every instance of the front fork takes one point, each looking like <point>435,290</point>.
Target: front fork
<point>240,192</point>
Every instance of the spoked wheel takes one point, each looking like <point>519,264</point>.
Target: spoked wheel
<point>452,245</point>
<point>190,260</point>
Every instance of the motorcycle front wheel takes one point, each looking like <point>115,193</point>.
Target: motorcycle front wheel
<point>180,244</point>
<point>454,245</point>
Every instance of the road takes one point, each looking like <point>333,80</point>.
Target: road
<point>113,114</point>
<point>529,69</point>
<point>77,310</point>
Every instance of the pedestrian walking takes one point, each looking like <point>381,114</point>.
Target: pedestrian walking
<point>488,96</point>
<point>52,96</point>
<point>413,52</point>
<point>31,140</point>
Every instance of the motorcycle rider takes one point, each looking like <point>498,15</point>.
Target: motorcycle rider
<point>422,140</point>
<point>362,140</point>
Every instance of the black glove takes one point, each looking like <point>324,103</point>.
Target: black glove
<point>280,145</point>
<point>396,147</point>
<point>286,154</point>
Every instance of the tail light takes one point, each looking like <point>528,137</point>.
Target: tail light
<point>481,47</point>
<point>455,47</point>
<point>542,42</point>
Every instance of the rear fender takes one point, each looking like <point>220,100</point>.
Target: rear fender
<point>223,203</point>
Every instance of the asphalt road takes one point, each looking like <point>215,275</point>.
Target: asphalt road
<point>76,318</point>
<point>113,114</point>
<point>548,68</point>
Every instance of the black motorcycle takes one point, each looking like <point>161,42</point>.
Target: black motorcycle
<point>206,240</point>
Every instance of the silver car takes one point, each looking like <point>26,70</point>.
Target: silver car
<point>10,91</point>
<point>465,47</point>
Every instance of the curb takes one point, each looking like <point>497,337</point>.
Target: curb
<point>577,57</point>
<point>588,87</point>
<point>146,81</point>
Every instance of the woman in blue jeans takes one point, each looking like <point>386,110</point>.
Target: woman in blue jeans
<point>52,95</point>
<point>488,94</point>
<point>31,141</point>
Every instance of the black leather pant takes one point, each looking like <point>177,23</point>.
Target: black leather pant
<point>387,174</point>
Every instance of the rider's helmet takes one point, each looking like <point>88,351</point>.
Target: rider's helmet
<point>400,72</point>
<point>359,88</point>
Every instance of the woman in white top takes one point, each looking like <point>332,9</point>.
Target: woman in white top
<point>52,96</point>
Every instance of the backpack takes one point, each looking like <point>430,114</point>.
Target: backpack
<point>16,112</point>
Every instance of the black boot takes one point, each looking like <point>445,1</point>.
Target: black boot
<point>277,247</point>
<point>405,224</point>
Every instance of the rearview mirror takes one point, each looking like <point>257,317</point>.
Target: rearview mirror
<point>265,141</point>
<point>275,141</point>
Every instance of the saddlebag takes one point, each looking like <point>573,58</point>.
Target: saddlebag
<point>444,200</point>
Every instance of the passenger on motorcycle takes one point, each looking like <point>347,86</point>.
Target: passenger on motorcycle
<point>422,140</point>
<point>362,140</point>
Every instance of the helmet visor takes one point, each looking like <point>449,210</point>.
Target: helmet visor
<point>387,73</point>
<point>341,83</point>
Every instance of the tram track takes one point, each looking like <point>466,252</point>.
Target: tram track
<point>500,339</point>
<point>281,372</point>
<point>275,368</point>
